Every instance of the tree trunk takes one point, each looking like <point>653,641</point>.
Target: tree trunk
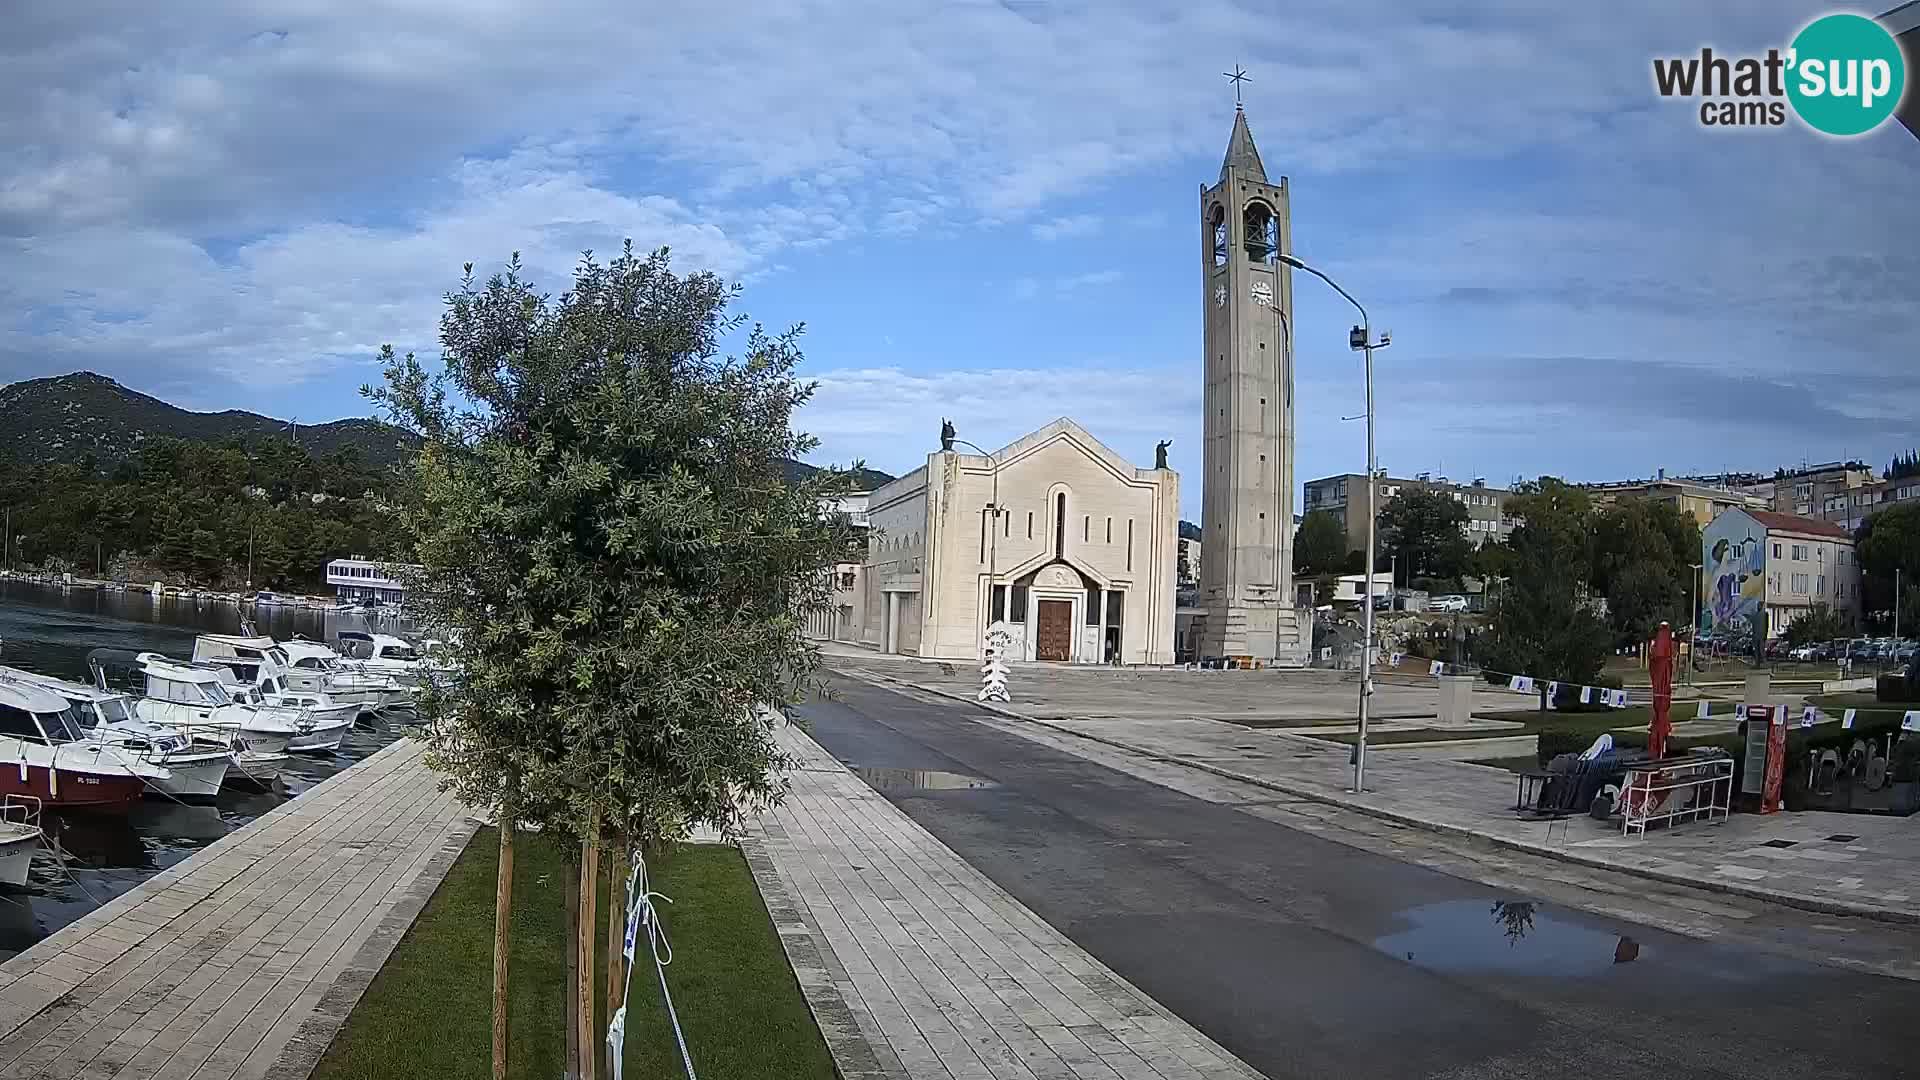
<point>589,901</point>
<point>616,939</point>
<point>573,977</point>
<point>502,918</point>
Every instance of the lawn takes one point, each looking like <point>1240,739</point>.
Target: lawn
<point>429,1011</point>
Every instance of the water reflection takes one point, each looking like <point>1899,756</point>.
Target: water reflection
<point>920,780</point>
<point>1522,937</point>
<point>90,858</point>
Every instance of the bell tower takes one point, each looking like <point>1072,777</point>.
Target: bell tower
<point>1246,563</point>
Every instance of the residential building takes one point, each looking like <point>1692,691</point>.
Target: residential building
<point>1762,562</point>
<point>1345,495</point>
<point>360,578</point>
<point>1702,498</point>
<point>1807,491</point>
<point>1055,534</point>
<point>1848,508</point>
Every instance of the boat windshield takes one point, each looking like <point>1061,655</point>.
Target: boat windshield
<point>402,652</point>
<point>278,655</point>
<point>113,710</point>
<point>215,693</point>
<point>63,726</point>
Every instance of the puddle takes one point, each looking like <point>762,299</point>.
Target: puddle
<point>921,780</point>
<point>1519,937</point>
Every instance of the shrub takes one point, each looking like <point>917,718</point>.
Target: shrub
<point>1905,766</point>
<point>1894,686</point>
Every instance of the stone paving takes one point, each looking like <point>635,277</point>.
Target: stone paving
<point>920,968</point>
<point>1784,858</point>
<point>243,960</point>
<point>1257,697</point>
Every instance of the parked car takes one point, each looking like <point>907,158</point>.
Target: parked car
<point>1450,602</point>
<point>1805,652</point>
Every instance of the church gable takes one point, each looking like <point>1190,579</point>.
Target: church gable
<point>1066,431</point>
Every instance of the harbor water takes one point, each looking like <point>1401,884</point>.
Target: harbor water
<point>88,858</point>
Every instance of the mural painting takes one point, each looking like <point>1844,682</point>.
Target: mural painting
<point>1734,553</point>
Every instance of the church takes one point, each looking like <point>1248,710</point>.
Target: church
<point>1072,546</point>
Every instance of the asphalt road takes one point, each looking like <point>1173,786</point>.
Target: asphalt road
<point>1308,958</point>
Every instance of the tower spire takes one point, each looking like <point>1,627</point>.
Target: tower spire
<point>1241,153</point>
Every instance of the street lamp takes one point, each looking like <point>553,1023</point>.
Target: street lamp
<point>1693,616</point>
<point>1361,339</point>
<point>993,540</point>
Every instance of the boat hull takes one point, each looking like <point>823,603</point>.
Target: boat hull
<point>68,788</point>
<point>255,770</point>
<point>196,777</point>
<point>322,738</point>
<point>16,855</point>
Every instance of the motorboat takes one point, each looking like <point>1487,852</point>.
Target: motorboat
<point>259,667</point>
<point>44,753</point>
<point>382,654</point>
<point>314,667</point>
<point>196,698</point>
<point>19,837</point>
<point>196,766</point>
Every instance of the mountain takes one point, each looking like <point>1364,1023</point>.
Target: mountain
<point>863,480</point>
<point>63,418</point>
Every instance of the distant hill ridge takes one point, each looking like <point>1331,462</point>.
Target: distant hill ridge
<point>68,416</point>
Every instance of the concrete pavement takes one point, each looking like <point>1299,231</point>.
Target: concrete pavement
<point>1792,859</point>
<point>1307,957</point>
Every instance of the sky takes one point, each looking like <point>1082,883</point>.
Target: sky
<point>984,211</point>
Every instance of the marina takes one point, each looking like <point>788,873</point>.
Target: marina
<point>87,857</point>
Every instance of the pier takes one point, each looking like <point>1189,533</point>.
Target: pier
<point>245,958</point>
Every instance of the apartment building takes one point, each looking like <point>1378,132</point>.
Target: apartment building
<point>1345,496</point>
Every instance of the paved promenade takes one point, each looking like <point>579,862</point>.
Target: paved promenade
<point>245,959</point>
<point>1784,858</point>
<point>920,968</point>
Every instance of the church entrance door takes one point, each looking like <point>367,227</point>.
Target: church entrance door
<point>1055,640</point>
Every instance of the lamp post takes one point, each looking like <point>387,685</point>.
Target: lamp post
<point>993,539</point>
<point>1361,339</point>
<point>1693,618</point>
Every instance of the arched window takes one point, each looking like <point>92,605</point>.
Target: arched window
<point>1217,223</point>
<point>1060,526</point>
<point>1262,233</point>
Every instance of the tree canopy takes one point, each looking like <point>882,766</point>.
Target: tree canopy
<point>1904,465</point>
<point>1320,543</point>
<point>1887,541</point>
<point>600,508</point>
<point>1421,529</point>
<point>188,511</point>
<point>1542,621</point>
<point>1643,558</point>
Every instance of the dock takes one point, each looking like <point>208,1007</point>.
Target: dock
<point>243,960</point>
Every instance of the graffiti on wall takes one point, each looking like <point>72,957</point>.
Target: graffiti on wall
<point>1734,554</point>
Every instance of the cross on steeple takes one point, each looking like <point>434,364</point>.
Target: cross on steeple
<point>1237,76</point>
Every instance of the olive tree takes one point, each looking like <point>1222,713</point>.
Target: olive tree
<point>601,512</point>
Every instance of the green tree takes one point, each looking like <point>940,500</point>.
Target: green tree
<point>1542,621</point>
<point>600,504</point>
<point>1320,544</point>
<point>1422,530</point>
<point>1819,623</point>
<point>1886,542</point>
<point>1643,556</point>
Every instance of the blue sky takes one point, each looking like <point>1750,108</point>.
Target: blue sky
<point>984,210</point>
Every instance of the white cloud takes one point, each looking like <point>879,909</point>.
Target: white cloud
<point>1063,227</point>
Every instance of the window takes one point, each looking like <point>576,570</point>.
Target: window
<point>1129,545</point>
<point>1060,525</point>
<point>1086,527</point>
<point>63,726</point>
<point>1820,585</point>
<point>999,611</point>
<point>1109,530</point>
<point>1799,587</point>
<point>1799,551</point>
<point>1019,612</point>
<point>1029,524</point>
<point>1093,606</point>
<point>1776,551</point>
<point>18,724</point>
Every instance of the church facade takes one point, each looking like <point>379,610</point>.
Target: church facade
<point>1058,536</point>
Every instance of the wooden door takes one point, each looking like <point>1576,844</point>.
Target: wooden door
<point>1055,640</point>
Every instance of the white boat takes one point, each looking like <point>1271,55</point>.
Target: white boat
<point>314,667</point>
<point>183,695</point>
<point>259,667</point>
<point>195,766</point>
<point>382,654</point>
<point>19,836</point>
<point>44,754</point>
